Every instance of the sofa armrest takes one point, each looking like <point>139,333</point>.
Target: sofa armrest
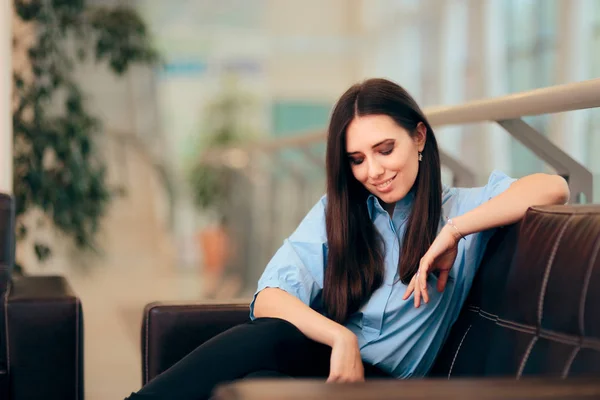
<point>171,331</point>
<point>44,326</point>
<point>400,389</point>
<point>7,239</point>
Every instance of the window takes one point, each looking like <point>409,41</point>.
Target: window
<point>531,61</point>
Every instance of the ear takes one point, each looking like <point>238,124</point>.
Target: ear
<point>421,136</point>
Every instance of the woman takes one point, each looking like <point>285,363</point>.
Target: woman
<point>350,293</point>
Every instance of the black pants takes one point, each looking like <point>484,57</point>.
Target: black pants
<point>264,347</point>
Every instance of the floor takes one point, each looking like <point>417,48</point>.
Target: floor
<point>113,301</point>
<point>140,264</point>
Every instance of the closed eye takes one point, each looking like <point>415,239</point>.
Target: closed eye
<point>355,161</point>
<point>387,152</point>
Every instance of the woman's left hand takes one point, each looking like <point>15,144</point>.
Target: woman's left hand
<point>440,257</point>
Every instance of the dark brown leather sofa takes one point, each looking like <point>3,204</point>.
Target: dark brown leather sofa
<point>41,328</point>
<point>533,310</point>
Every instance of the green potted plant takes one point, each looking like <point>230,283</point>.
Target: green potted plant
<point>57,168</point>
<point>210,177</point>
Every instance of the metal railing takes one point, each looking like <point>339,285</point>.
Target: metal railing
<point>281,189</point>
<point>507,111</point>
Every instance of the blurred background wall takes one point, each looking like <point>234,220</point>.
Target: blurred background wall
<point>5,98</point>
<point>294,59</point>
<point>273,68</point>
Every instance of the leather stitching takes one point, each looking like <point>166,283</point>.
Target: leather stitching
<point>565,338</point>
<point>530,330</point>
<point>488,314</point>
<point>584,290</point>
<point>578,341</point>
<point>593,210</point>
<point>549,268</point>
<point>570,362</point>
<point>457,350</point>
<point>586,284</point>
<point>526,356</point>
<point>543,294</point>
<point>488,317</point>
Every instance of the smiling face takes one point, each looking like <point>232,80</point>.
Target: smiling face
<point>383,156</point>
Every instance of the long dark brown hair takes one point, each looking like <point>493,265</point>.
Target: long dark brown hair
<point>355,259</point>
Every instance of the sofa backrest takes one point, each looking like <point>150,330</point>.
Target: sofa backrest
<point>533,307</point>
<point>7,239</point>
<point>7,251</point>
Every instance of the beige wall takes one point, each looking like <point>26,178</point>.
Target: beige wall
<point>5,97</point>
<point>313,47</point>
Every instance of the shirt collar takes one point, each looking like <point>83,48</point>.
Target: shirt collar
<point>401,209</point>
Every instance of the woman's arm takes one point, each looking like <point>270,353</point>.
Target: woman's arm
<point>510,206</point>
<point>276,303</point>
<point>506,208</point>
<point>293,281</point>
<point>346,363</point>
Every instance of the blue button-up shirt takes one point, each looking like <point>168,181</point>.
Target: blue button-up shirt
<point>392,334</point>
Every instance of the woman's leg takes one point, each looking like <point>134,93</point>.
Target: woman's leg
<point>266,344</point>
<point>373,372</point>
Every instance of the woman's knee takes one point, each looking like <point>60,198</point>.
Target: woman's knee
<point>293,352</point>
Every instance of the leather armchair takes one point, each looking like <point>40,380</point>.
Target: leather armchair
<point>531,310</point>
<point>41,328</point>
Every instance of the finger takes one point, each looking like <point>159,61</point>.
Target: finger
<point>423,272</point>
<point>409,288</point>
<point>442,280</point>
<point>332,379</point>
<point>423,279</point>
<point>417,292</point>
<point>425,295</point>
<point>423,285</point>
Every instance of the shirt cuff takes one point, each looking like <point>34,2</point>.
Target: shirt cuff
<point>273,283</point>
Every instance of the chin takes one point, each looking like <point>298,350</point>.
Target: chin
<point>390,197</point>
<point>387,197</point>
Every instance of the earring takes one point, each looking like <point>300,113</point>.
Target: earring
<point>420,156</point>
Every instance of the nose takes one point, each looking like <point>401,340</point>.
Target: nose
<point>375,169</point>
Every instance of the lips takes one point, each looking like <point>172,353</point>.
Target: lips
<point>385,184</point>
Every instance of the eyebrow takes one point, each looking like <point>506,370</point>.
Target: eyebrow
<point>374,146</point>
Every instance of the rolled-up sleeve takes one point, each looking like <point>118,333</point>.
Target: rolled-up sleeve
<point>471,198</point>
<point>298,265</point>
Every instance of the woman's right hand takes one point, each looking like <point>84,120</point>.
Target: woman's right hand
<point>346,364</point>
